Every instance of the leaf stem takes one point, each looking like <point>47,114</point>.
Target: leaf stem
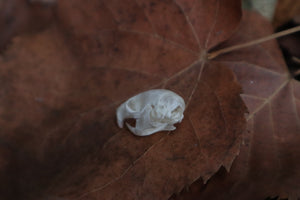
<point>253,42</point>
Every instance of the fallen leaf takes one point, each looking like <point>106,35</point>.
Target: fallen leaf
<point>22,16</point>
<point>285,11</point>
<point>61,87</point>
<point>268,165</point>
<point>290,46</point>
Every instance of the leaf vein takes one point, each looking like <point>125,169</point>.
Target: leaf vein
<point>189,22</point>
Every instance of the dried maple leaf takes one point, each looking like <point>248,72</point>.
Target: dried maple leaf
<point>268,164</point>
<point>290,46</point>
<point>61,87</point>
<point>21,16</point>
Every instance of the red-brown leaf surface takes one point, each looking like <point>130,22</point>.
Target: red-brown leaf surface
<point>19,16</point>
<point>60,88</point>
<point>269,163</point>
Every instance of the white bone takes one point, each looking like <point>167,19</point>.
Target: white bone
<point>154,111</point>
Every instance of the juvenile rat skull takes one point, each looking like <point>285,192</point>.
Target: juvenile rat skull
<point>154,111</point>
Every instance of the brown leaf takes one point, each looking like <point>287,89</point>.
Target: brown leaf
<point>21,16</point>
<point>268,164</point>
<point>61,87</point>
<point>290,46</point>
<point>285,11</point>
